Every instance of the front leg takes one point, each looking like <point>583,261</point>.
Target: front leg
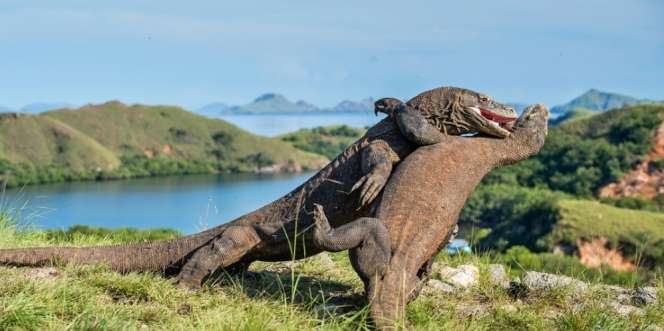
<point>377,162</point>
<point>412,124</point>
<point>415,127</point>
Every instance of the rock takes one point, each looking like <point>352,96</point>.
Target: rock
<point>464,276</point>
<point>498,275</point>
<point>644,296</point>
<point>618,294</point>
<point>543,281</point>
<point>434,285</point>
<point>624,310</point>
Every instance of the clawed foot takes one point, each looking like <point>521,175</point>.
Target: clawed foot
<point>320,220</point>
<point>186,285</point>
<point>370,185</point>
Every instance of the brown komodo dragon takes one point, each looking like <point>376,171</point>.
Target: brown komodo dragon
<point>345,188</point>
<point>421,203</point>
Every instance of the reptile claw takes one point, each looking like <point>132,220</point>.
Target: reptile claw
<point>189,286</point>
<point>371,185</point>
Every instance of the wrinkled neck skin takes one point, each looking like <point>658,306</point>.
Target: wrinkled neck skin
<point>528,138</point>
<point>424,196</point>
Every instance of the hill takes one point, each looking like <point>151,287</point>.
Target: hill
<point>545,221</point>
<point>329,141</point>
<point>117,140</point>
<point>572,115</point>
<point>597,101</point>
<point>581,156</point>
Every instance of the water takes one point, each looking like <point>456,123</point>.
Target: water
<point>273,124</point>
<point>188,203</point>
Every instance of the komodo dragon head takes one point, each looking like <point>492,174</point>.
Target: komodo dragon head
<point>457,111</point>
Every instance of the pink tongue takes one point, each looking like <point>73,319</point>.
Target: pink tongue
<point>495,117</point>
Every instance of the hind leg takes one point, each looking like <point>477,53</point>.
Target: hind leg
<point>223,251</point>
<point>367,238</point>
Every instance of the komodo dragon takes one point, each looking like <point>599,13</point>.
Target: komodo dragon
<point>420,206</point>
<point>344,188</point>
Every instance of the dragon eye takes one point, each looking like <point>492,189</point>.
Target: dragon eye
<point>484,99</point>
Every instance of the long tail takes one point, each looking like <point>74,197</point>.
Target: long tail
<point>154,256</point>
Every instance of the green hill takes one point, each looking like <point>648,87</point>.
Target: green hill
<point>542,220</point>
<point>329,141</point>
<point>116,140</point>
<point>583,155</point>
<point>572,115</point>
<point>42,140</point>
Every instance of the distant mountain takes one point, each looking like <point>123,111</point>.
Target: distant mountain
<point>273,103</point>
<point>213,109</point>
<point>348,106</point>
<point>41,107</point>
<point>597,101</point>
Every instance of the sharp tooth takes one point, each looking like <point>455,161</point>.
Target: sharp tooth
<point>476,109</point>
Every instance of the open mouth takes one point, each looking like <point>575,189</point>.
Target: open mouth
<point>496,120</point>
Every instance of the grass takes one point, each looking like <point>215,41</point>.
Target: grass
<point>583,219</point>
<point>542,220</point>
<point>638,234</point>
<point>273,296</point>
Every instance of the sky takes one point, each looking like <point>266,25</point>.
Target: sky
<point>191,53</point>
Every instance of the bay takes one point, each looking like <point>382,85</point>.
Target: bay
<point>187,203</point>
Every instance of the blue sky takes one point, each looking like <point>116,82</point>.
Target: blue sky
<point>191,53</point>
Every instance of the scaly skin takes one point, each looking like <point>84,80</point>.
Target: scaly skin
<point>418,210</point>
<point>421,203</point>
<point>265,234</point>
<point>344,188</point>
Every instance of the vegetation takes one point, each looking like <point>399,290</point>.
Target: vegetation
<point>275,296</point>
<point>114,140</point>
<point>581,156</point>
<point>655,204</point>
<point>519,214</point>
<point>541,220</point>
<point>329,141</point>
<point>572,115</point>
